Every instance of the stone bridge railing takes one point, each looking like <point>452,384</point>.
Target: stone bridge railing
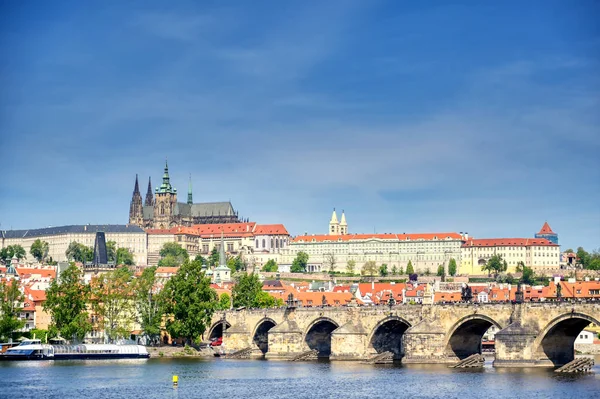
<point>532,334</point>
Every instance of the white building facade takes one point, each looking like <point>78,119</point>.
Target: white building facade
<point>58,239</point>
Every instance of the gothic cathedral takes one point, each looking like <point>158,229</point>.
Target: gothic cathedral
<point>162,211</point>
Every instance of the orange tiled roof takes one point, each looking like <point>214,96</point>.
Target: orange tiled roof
<point>51,273</point>
<point>362,237</point>
<point>265,229</point>
<point>447,296</point>
<point>546,229</point>
<point>167,270</point>
<point>505,242</point>
<point>226,228</point>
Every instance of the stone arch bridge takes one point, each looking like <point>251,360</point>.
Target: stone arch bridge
<point>530,334</point>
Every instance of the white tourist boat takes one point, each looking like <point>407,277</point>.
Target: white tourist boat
<point>33,349</point>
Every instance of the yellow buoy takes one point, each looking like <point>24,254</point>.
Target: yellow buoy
<point>175,380</point>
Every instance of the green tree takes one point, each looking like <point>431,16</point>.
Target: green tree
<point>401,271</point>
<point>583,257</point>
<point>201,259</point>
<point>124,257</point>
<point>495,265</point>
<point>79,253</point>
<point>111,251</point>
<point>299,263</point>
<point>174,252</point>
<point>7,253</point>
<point>39,250</point>
<point>427,271</point>
<point>528,275</point>
<point>112,302</point>
<point>520,266</point>
<point>235,264</point>
<point>383,270</point>
<point>351,266</point>
<point>594,261</point>
<point>169,261</point>
<point>370,269</point>
<point>148,304</point>
<point>452,267</point>
<point>409,268</point>
<point>265,300</point>
<point>394,270</point>
<point>10,300</point>
<point>66,301</point>
<point>189,302</point>
<point>570,250</point>
<point>440,271</point>
<point>270,266</point>
<point>214,257</point>
<point>246,290</point>
<point>224,301</point>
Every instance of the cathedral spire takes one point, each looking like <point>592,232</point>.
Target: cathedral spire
<point>190,200</point>
<point>149,196</point>
<point>136,188</point>
<point>343,224</point>
<point>166,187</point>
<point>222,258</point>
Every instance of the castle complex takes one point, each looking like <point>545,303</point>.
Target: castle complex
<point>163,211</point>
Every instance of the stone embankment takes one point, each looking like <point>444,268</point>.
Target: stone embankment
<point>587,349</point>
<point>178,351</point>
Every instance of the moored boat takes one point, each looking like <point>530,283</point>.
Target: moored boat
<point>35,350</point>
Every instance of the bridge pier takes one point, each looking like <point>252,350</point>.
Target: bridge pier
<point>285,341</point>
<point>237,337</point>
<point>348,342</point>
<point>514,347</point>
<point>425,343</point>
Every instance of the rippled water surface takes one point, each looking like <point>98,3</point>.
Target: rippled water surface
<point>271,379</point>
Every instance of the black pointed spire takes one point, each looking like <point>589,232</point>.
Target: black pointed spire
<point>136,189</point>
<point>149,195</point>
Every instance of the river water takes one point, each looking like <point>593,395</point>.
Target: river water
<point>277,379</point>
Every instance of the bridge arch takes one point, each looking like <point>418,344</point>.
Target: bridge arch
<point>260,335</point>
<point>216,330</point>
<point>555,345</point>
<point>318,335</point>
<point>387,335</point>
<point>464,338</point>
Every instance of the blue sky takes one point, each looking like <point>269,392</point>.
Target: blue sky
<point>411,116</point>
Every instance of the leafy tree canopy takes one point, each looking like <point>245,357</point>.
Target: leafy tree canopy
<point>66,301</point>
<point>79,253</point>
<point>124,257</point>
<point>148,304</point>
<point>299,263</point>
<point>495,265</point>
<point>111,301</point>
<point>174,254</point>
<point>409,268</point>
<point>246,290</point>
<point>39,250</point>
<point>270,266</point>
<point>452,267</point>
<point>189,302</point>
<point>10,301</point>
<point>7,253</point>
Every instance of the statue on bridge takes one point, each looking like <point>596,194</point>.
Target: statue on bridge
<point>466,293</point>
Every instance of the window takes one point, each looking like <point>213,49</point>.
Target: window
<point>256,243</point>
<point>263,243</point>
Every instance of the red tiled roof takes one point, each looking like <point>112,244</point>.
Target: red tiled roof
<point>51,273</point>
<point>167,270</point>
<point>225,228</point>
<point>264,229</point>
<point>362,237</point>
<point>505,242</point>
<point>546,229</point>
